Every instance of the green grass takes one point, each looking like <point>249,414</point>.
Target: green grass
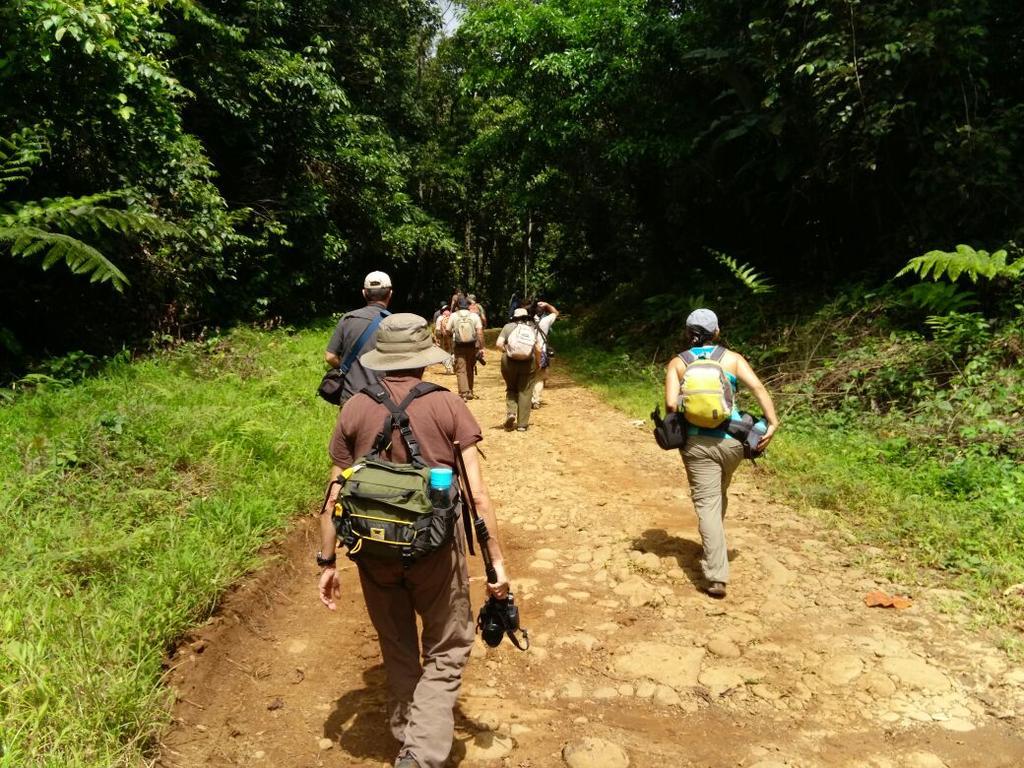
<point>961,521</point>
<point>129,503</point>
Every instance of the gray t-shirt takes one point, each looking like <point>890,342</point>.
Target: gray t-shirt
<point>350,327</point>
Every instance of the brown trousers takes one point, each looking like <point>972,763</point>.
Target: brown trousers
<point>465,362</point>
<point>422,696</point>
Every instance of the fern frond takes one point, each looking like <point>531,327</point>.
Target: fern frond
<point>85,216</point>
<point>81,258</point>
<point>19,152</point>
<point>963,261</point>
<point>745,273</point>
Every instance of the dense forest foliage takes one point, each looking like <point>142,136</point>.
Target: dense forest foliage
<point>816,139</point>
<point>229,159</point>
<point>239,159</point>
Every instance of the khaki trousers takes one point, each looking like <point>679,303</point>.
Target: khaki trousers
<point>465,361</point>
<point>518,376</point>
<point>422,696</point>
<point>710,463</point>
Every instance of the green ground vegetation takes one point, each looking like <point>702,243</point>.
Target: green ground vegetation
<point>906,438</point>
<point>130,501</point>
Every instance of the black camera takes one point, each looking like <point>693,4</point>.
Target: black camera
<point>480,358</point>
<point>498,617</point>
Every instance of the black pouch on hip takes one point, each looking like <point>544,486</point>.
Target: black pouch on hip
<point>669,432</point>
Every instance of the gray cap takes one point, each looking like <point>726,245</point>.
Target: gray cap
<point>704,319</point>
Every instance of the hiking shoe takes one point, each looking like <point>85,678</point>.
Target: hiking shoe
<point>407,762</point>
<point>521,429</point>
<point>716,589</point>
<point>535,406</point>
<point>510,421</point>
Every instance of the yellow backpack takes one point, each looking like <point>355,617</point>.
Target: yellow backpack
<point>705,394</point>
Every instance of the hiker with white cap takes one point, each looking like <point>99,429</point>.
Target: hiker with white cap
<point>520,343</point>
<point>355,333</point>
<point>708,374</point>
<point>424,669</point>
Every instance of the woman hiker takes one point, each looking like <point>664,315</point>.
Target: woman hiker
<point>710,455</point>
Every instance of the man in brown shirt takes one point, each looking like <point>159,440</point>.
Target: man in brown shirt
<point>436,588</point>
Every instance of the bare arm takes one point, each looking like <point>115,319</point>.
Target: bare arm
<point>550,307</point>
<point>484,507</point>
<point>673,373</point>
<point>750,380</point>
<point>329,586</point>
<point>332,360</point>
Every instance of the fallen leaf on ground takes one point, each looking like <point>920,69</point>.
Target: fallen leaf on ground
<point>879,599</point>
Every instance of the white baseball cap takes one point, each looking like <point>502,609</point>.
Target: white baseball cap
<point>377,280</point>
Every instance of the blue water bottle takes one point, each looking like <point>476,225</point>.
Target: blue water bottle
<point>440,486</point>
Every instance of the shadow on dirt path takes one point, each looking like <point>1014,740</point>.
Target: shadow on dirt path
<point>790,670</point>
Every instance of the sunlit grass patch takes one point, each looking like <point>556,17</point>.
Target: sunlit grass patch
<point>129,503</point>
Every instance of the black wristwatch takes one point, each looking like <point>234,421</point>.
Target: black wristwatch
<point>326,562</point>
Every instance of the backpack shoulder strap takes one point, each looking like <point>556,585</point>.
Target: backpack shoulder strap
<point>717,353</point>
<point>350,358</point>
<point>397,417</point>
<point>687,357</point>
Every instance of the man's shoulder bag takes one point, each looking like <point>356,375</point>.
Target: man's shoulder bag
<point>332,385</point>
<point>385,510</point>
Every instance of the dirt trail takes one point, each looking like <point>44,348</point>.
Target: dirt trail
<point>790,670</point>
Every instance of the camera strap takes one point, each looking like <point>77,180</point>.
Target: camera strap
<point>515,640</point>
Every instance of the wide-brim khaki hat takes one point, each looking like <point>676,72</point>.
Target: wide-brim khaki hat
<point>403,343</point>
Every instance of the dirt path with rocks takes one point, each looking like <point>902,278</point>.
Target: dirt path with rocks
<point>631,664</point>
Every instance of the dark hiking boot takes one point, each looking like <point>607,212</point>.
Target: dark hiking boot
<point>716,589</point>
<point>510,421</point>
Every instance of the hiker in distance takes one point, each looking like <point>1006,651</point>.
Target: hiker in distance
<point>356,332</point>
<point>423,686</point>
<point>443,338</point>
<point>477,308</point>
<point>544,315</point>
<point>466,331</point>
<point>711,455</point>
<point>520,344</point>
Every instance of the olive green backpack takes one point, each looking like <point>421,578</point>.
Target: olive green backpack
<point>385,509</point>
